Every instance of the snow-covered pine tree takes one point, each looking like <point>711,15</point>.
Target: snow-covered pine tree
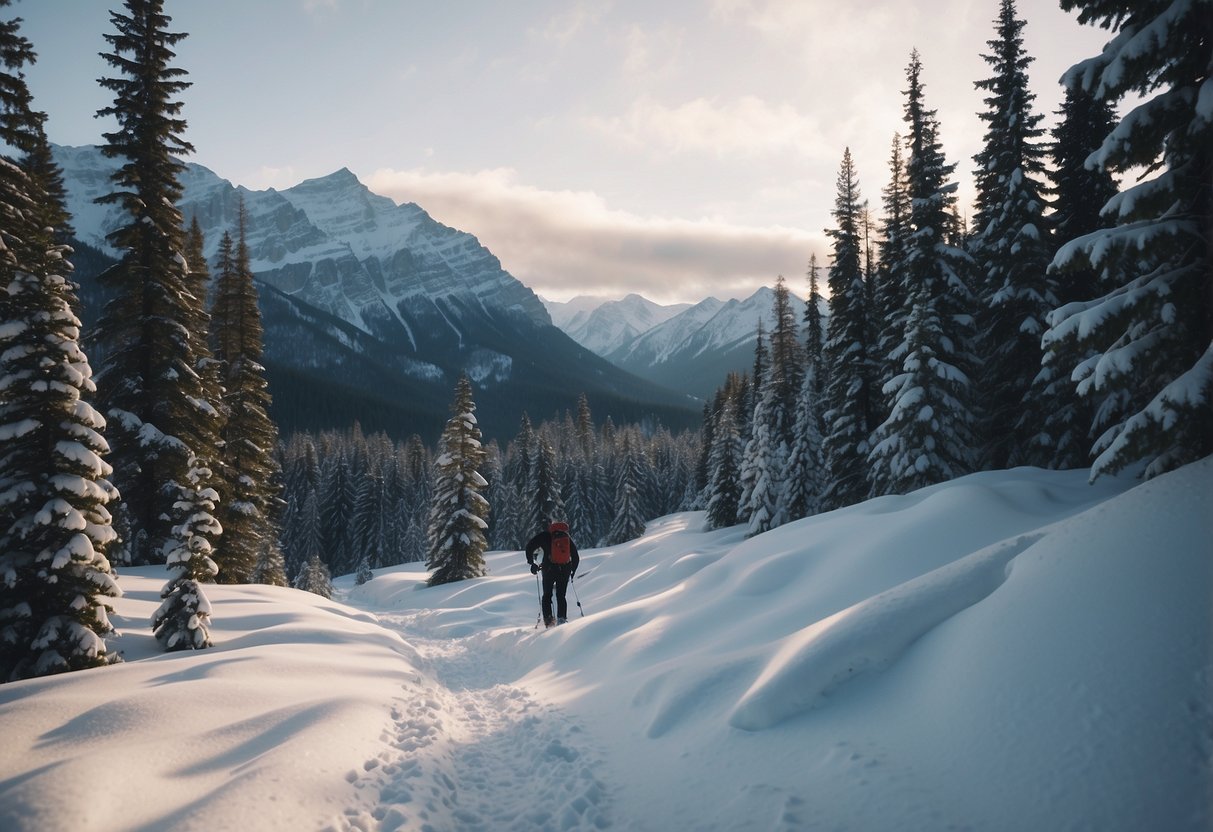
<point>849,411</point>
<point>706,436</point>
<point>183,619</point>
<point>363,573</point>
<point>787,360</point>
<point>928,435</point>
<point>763,453</point>
<point>1079,193</point>
<point>252,475</point>
<point>814,330</point>
<point>724,491</point>
<point>1012,251</point>
<point>158,409</point>
<point>805,475</point>
<point>890,295</point>
<point>545,494</point>
<point>271,564</point>
<point>628,523</point>
<point>585,427</point>
<point>751,392</point>
<point>414,546</point>
<point>54,525</point>
<point>458,513</point>
<point>1150,337</point>
<point>526,518</point>
<point>308,537</point>
<point>368,519</point>
<point>211,417</point>
<point>338,491</point>
<point>749,402</point>
<point>314,577</point>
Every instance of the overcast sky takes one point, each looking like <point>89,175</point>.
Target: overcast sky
<point>680,148</point>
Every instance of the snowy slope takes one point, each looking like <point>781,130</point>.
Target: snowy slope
<point>1013,650</point>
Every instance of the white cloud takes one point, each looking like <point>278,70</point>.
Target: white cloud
<point>650,53</point>
<point>566,243</point>
<point>745,126</point>
<point>568,23</point>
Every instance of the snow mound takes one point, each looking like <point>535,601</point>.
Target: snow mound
<point>869,636</point>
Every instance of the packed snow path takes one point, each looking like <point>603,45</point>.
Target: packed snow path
<point>475,753</point>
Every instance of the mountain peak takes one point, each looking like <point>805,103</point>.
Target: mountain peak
<point>343,178</point>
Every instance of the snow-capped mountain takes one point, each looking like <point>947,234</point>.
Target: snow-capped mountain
<point>572,313</point>
<point>693,351</point>
<point>612,325</point>
<point>377,307</point>
<point>331,243</point>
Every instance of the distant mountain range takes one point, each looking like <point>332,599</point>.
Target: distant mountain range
<point>686,348</point>
<point>372,309</point>
<point>605,326</point>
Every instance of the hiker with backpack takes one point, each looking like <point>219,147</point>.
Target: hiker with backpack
<point>559,565</point>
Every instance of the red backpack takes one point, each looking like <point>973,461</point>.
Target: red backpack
<point>560,542</point>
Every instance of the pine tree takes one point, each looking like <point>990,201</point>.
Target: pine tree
<point>545,485</point>
<point>528,517</point>
<point>724,492</point>
<point>763,454</point>
<point>1150,337</point>
<point>814,330</point>
<point>336,531</point>
<point>458,514</point>
<point>628,523</point>
<point>149,385</point>
<point>890,295</point>
<point>928,435</point>
<point>210,370</point>
<point>363,573</point>
<point>1079,193</point>
<point>54,525</point>
<point>750,393</point>
<point>805,477</point>
<point>183,619</point>
<point>787,360</point>
<point>252,474</point>
<point>314,577</point>
<point>849,413</point>
<point>585,427</point>
<point>368,518</point>
<point>271,564</point>
<point>1011,249</point>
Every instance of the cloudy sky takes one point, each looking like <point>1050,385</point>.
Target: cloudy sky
<point>678,148</point>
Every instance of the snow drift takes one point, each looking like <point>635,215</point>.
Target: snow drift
<point>1011,650</point>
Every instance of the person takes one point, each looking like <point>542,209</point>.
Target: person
<point>560,560</point>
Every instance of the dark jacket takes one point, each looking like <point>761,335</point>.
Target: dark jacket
<point>543,542</point>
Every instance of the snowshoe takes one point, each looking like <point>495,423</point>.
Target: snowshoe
<point>562,621</point>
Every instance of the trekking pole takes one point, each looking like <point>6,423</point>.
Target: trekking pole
<point>539,594</point>
<point>573,584</point>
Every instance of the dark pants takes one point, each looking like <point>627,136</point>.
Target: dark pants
<point>555,576</point>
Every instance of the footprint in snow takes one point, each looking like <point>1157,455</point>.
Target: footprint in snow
<point>478,756</point>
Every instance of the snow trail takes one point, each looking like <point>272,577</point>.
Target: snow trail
<point>474,752</point>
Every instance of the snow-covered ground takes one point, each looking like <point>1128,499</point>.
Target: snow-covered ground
<point>1010,651</point>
